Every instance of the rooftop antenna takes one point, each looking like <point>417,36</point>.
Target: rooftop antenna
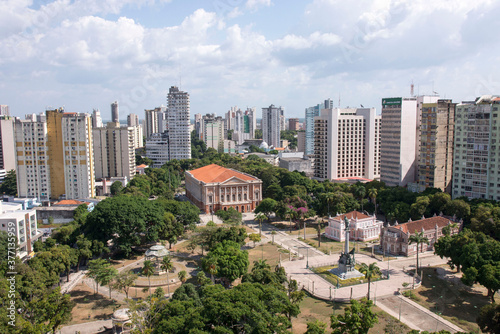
<point>412,89</point>
<point>339,100</point>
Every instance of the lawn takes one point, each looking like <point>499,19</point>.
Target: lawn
<point>455,302</point>
<point>316,309</point>
<point>326,274</point>
<point>268,252</point>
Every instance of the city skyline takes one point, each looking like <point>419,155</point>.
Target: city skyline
<point>84,55</point>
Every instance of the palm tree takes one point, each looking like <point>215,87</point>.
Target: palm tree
<point>329,197</point>
<point>167,265</point>
<point>318,227</point>
<point>419,239</point>
<point>182,276</point>
<point>361,192</point>
<point>212,268</point>
<point>260,217</point>
<point>372,193</point>
<point>148,270</point>
<point>369,272</point>
<point>261,264</point>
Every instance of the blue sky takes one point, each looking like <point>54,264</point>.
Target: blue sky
<point>85,54</point>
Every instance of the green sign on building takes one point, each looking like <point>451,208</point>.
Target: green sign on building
<point>391,101</point>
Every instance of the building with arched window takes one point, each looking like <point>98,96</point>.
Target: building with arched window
<point>212,188</point>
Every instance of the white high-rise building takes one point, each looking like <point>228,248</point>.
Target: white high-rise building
<point>114,153</point>
<point>157,149</point>
<point>55,158</point>
<point>33,175</point>
<point>96,119</point>
<point>347,143</point>
<point>312,112</point>
<point>132,120</point>
<point>213,132</point>
<point>400,140</point>
<point>178,123</point>
<point>151,120</point>
<point>273,122</point>
<point>4,110</point>
<point>7,144</point>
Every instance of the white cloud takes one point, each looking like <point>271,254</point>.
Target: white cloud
<point>256,4</point>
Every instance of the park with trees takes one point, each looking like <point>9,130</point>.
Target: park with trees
<point>231,293</point>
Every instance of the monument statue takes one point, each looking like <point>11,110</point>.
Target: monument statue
<point>347,262</point>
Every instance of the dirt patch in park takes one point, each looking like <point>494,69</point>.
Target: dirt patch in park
<point>89,307</point>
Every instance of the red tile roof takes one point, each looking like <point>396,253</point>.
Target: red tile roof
<point>141,166</point>
<point>214,173</point>
<point>427,223</point>
<point>351,215</point>
<point>70,202</point>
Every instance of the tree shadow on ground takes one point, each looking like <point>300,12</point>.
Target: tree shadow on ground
<point>449,298</point>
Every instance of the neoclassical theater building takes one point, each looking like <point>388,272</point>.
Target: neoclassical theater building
<point>213,188</point>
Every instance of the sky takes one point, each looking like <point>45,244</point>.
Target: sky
<point>85,54</point>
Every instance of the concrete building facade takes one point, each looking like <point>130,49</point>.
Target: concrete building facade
<point>272,125</point>
<point>396,239</point>
<point>115,112</point>
<point>362,227</point>
<point>312,112</point>
<point>435,160</point>
<point>23,223</point>
<point>132,120</point>
<point>476,166</point>
<point>347,143</point>
<point>400,141</point>
<point>212,188</point>
<point>7,143</point>
<point>96,119</point>
<point>293,124</point>
<point>178,121</point>
<point>157,149</point>
<point>56,158</point>
<point>114,152</point>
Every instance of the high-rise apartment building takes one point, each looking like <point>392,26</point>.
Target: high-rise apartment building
<point>400,141</point>
<point>175,141</point>
<point>115,113</point>
<point>114,153</point>
<point>7,143</point>
<point>96,119</point>
<point>213,132</point>
<point>33,175</point>
<point>301,141</point>
<point>347,143</point>
<point>151,120</point>
<point>132,120</point>
<point>312,112</point>
<point>4,110</point>
<point>435,160</point>
<point>157,149</point>
<point>243,123</point>
<point>55,158</point>
<point>293,124</point>
<point>273,122</point>
<point>178,122</point>
<point>476,166</point>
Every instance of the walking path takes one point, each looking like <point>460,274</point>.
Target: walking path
<point>384,292</point>
<point>86,328</point>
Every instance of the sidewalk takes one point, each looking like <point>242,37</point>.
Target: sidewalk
<point>86,327</point>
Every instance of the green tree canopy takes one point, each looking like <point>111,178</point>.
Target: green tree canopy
<point>358,318</point>
<point>230,260</point>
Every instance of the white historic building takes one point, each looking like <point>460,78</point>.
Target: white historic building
<point>362,227</point>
